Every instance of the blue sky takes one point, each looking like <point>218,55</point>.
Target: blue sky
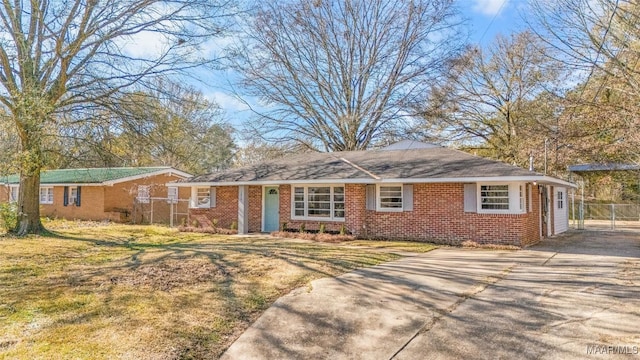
<point>487,18</point>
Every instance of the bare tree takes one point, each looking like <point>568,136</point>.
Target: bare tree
<point>334,75</point>
<point>600,37</point>
<point>490,102</point>
<point>70,56</point>
<point>170,125</point>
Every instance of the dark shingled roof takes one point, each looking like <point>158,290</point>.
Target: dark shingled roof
<point>420,163</point>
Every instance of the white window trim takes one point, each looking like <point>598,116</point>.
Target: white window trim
<point>560,200</point>
<point>49,189</point>
<point>514,199</point>
<point>144,194</point>
<point>173,198</point>
<point>194,198</point>
<point>11,190</point>
<point>378,199</point>
<point>71,199</point>
<point>306,194</point>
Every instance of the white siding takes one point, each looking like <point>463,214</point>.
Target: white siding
<point>560,210</point>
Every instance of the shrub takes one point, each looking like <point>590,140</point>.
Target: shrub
<point>8,216</point>
<point>343,230</point>
<point>283,227</point>
<point>214,223</point>
<point>302,229</point>
<point>322,229</point>
<point>234,226</point>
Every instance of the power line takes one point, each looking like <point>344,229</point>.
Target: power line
<point>504,2</point>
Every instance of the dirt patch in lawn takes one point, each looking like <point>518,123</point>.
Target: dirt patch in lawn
<point>169,274</point>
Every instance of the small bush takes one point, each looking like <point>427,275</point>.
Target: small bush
<point>234,226</point>
<point>8,216</point>
<point>214,223</point>
<point>283,227</point>
<point>343,230</point>
<point>322,229</point>
<point>303,229</point>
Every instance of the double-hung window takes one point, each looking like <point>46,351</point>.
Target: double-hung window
<point>203,197</point>
<point>144,194</point>
<point>73,194</point>
<point>172,195</point>
<point>46,195</point>
<point>560,200</point>
<point>390,198</point>
<point>318,202</point>
<point>13,194</point>
<point>494,197</point>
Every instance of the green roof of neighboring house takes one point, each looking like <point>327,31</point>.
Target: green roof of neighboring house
<point>91,176</point>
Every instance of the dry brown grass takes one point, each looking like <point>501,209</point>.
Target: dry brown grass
<point>473,244</point>
<point>388,245</point>
<point>321,237</point>
<point>95,291</point>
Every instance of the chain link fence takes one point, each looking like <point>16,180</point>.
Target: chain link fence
<point>599,216</point>
<point>159,210</point>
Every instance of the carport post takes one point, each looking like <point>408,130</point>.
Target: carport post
<point>581,221</point>
<point>613,216</point>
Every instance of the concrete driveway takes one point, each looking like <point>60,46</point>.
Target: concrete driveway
<point>564,298</point>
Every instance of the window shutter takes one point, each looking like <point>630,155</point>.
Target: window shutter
<point>212,197</point>
<point>65,199</point>
<point>470,198</point>
<point>371,197</point>
<point>78,195</point>
<point>407,197</point>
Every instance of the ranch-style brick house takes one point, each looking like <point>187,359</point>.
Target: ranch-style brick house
<point>101,193</point>
<point>409,190</point>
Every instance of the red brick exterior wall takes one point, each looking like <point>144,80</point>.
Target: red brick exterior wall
<point>255,208</point>
<point>531,234</point>
<point>438,216</point>
<point>225,211</point>
<point>115,203</point>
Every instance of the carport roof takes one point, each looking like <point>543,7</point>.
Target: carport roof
<point>420,164</point>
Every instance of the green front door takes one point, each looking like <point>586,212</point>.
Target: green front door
<point>271,208</point>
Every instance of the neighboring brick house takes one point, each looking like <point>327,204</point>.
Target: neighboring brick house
<point>116,194</point>
<point>409,190</point>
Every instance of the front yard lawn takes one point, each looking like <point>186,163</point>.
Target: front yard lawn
<point>148,292</point>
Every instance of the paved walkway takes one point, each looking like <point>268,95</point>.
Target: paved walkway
<point>550,301</point>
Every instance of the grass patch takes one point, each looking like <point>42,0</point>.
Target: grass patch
<point>99,291</point>
<point>406,246</point>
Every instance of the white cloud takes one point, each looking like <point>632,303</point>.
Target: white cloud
<point>145,44</point>
<point>489,7</point>
<point>228,103</point>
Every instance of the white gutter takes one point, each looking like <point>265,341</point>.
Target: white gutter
<point>532,178</point>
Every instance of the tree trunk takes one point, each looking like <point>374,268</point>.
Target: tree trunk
<point>29,204</point>
<point>31,161</point>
